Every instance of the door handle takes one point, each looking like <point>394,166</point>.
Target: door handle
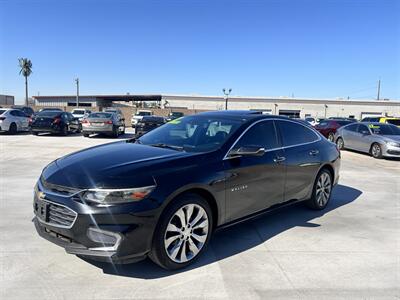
<point>279,159</point>
<point>314,152</point>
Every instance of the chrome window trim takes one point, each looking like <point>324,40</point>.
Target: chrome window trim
<point>226,157</point>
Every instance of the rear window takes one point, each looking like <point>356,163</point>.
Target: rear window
<point>394,121</point>
<point>100,115</point>
<point>48,113</point>
<point>78,112</point>
<point>143,113</point>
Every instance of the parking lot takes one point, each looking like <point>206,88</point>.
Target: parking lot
<point>350,250</point>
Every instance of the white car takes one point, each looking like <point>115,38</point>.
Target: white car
<point>80,113</point>
<point>312,121</point>
<point>13,120</point>
<point>139,115</point>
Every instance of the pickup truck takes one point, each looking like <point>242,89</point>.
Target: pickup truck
<point>139,115</point>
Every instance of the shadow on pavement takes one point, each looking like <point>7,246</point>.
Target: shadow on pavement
<point>240,237</point>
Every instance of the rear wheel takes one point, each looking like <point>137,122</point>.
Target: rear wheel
<point>322,191</point>
<point>13,128</point>
<point>376,150</point>
<point>86,134</point>
<point>340,143</point>
<point>331,137</point>
<point>34,132</point>
<point>64,130</point>
<point>115,131</point>
<point>183,232</point>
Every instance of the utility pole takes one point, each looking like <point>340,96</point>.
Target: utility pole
<point>379,89</point>
<point>226,93</point>
<point>77,91</point>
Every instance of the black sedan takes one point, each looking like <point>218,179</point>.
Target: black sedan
<point>54,121</point>
<point>148,123</point>
<point>163,195</point>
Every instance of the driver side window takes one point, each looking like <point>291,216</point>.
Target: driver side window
<point>262,134</point>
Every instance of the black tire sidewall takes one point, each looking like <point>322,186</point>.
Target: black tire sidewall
<point>13,128</point>
<point>158,253</point>
<point>313,203</point>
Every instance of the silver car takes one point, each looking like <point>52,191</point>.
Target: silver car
<point>378,139</point>
<point>13,120</point>
<point>103,123</point>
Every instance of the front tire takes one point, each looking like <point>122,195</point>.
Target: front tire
<point>376,151</point>
<point>331,137</point>
<point>340,143</point>
<point>183,232</point>
<point>322,191</point>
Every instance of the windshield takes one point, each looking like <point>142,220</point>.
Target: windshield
<point>192,133</point>
<point>384,129</point>
<point>100,115</point>
<point>393,121</point>
<point>48,113</point>
<point>78,112</point>
<point>143,113</point>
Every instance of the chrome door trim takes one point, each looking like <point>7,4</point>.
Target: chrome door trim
<point>226,157</point>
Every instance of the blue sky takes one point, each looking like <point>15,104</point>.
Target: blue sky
<point>308,48</point>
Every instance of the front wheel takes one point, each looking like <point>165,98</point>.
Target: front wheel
<point>376,150</point>
<point>331,137</point>
<point>340,143</point>
<point>322,191</point>
<point>183,232</point>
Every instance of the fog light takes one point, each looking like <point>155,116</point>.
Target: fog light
<point>109,240</point>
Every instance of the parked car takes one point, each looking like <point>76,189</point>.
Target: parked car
<point>148,123</point>
<point>54,121</point>
<point>328,127</point>
<point>343,119</point>
<point>164,194</point>
<point>174,115</point>
<point>386,120</point>
<point>312,121</point>
<point>26,109</point>
<point>303,121</point>
<point>103,123</point>
<point>80,113</point>
<point>139,115</point>
<point>13,120</point>
<point>379,140</point>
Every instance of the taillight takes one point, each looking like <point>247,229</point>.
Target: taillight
<point>108,122</point>
<point>56,120</point>
<point>30,121</point>
<point>85,121</point>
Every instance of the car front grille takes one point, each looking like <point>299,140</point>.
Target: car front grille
<point>61,216</point>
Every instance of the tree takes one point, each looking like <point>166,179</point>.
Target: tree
<point>26,70</point>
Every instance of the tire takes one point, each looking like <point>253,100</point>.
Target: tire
<point>64,130</point>
<point>13,129</point>
<point>331,137</point>
<point>79,130</point>
<point>86,134</point>
<point>376,151</point>
<point>322,191</point>
<point>123,131</point>
<point>340,143</point>
<point>169,230</point>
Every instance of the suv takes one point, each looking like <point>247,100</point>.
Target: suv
<point>26,109</point>
<point>139,115</point>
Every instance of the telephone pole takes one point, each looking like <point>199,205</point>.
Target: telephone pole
<point>77,91</point>
<point>379,89</point>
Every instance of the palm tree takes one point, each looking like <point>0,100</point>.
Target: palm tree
<point>26,70</point>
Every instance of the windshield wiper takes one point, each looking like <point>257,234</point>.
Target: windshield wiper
<point>163,145</point>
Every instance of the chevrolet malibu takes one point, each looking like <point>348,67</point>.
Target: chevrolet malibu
<point>164,194</point>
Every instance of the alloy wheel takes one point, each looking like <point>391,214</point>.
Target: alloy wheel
<point>376,150</point>
<point>186,233</point>
<point>323,190</point>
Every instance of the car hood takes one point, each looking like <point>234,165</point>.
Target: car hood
<point>114,165</point>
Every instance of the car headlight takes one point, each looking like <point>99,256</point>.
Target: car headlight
<point>393,144</point>
<point>114,196</point>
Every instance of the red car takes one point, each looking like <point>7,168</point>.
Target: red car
<point>328,127</point>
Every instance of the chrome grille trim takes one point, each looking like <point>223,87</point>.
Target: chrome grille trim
<point>59,215</point>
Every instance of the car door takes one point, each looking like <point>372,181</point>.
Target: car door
<point>254,183</point>
<point>302,157</point>
<point>363,141</point>
<point>349,136</point>
<point>23,119</point>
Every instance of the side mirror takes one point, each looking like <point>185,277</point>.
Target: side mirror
<point>247,151</point>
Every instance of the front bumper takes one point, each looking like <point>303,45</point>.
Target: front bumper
<point>52,128</point>
<point>133,230</point>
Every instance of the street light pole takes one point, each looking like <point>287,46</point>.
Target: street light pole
<point>77,91</point>
<point>226,93</point>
